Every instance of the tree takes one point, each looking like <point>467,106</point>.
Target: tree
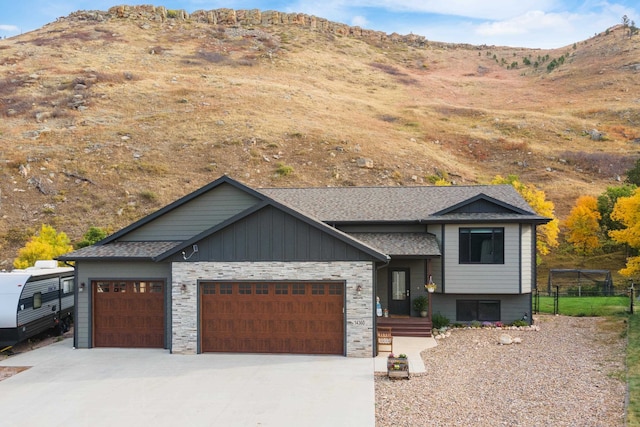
<point>93,235</point>
<point>625,21</point>
<point>583,226</point>
<point>627,211</point>
<point>606,202</point>
<point>633,174</point>
<point>48,244</point>
<point>547,233</point>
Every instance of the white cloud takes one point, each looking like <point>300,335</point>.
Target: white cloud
<point>531,21</point>
<point>359,21</point>
<point>9,28</point>
<point>493,9</point>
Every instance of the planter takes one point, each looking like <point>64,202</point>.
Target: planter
<point>398,367</point>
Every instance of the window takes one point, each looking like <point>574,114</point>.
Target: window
<point>335,289</point>
<point>226,288</point>
<point>67,286</point>
<point>37,300</point>
<point>297,289</point>
<point>482,246</point>
<point>282,289</point>
<point>244,289</point>
<point>209,288</point>
<point>482,311</point>
<point>317,289</point>
<point>262,289</point>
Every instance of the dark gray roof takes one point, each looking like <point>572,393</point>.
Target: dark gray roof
<point>401,244</point>
<point>129,250</point>
<point>354,204</point>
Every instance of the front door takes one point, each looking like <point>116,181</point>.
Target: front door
<point>399,292</point>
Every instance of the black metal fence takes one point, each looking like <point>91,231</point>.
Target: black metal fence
<point>557,293</point>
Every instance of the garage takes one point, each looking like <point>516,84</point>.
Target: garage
<point>128,314</point>
<point>272,317</point>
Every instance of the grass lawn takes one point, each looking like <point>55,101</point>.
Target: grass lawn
<point>587,306</point>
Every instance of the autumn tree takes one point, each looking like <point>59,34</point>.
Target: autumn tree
<point>548,233</point>
<point>582,225</point>
<point>47,244</point>
<point>606,202</point>
<point>627,211</point>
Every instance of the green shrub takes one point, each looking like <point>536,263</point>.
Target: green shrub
<point>475,324</point>
<point>439,321</point>
<point>283,170</point>
<point>520,323</point>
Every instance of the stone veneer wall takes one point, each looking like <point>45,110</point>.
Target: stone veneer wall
<point>358,308</point>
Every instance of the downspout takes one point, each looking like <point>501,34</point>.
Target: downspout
<point>75,302</point>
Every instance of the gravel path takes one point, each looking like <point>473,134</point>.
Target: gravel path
<point>569,373</point>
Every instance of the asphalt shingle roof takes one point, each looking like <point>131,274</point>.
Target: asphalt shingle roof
<point>138,250</point>
<point>354,204</point>
<point>406,244</point>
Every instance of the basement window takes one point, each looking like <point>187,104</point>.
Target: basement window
<point>480,310</point>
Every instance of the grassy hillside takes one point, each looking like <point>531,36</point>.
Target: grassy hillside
<point>106,118</point>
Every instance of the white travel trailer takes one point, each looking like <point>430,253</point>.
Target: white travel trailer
<point>34,300</point>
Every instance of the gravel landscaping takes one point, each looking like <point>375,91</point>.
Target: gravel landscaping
<point>569,373</point>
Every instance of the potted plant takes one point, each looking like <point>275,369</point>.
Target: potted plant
<point>398,367</point>
<point>420,304</point>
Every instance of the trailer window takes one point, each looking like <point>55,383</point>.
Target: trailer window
<point>37,300</point>
<point>67,286</point>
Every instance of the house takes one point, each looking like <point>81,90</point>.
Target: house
<point>229,268</point>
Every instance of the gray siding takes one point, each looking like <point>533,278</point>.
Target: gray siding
<point>88,271</point>
<point>527,257</point>
<point>273,235</point>
<point>383,228</point>
<point>483,278</point>
<point>512,307</point>
<point>195,216</point>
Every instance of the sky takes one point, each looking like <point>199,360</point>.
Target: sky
<point>542,24</point>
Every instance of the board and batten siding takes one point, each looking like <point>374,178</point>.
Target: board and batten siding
<point>484,278</point>
<point>195,216</point>
<point>88,271</point>
<point>273,235</point>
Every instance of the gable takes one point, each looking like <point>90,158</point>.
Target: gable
<point>194,216</point>
<point>481,206</point>
<point>272,234</point>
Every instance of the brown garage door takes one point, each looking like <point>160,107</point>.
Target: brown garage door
<point>266,317</point>
<point>128,314</point>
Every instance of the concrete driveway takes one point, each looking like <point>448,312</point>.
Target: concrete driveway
<point>139,387</point>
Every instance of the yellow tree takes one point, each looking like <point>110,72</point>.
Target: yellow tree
<point>627,212</point>
<point>48,244</point>
<point>548,233</point>
<point>583,225</point>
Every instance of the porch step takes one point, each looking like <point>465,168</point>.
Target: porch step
<point>407,326</point>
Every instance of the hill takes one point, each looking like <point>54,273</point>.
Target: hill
<point>107,116</point>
